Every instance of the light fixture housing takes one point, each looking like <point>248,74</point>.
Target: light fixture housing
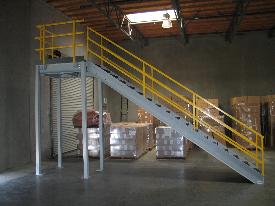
<point>166,23</point>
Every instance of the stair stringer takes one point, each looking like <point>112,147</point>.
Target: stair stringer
<point>198,137</point>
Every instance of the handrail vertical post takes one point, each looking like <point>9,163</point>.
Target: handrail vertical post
<point>43,44</point>
<point>40,43</point>
<point>143,79</point>
<point>152,82</point>
<point>52,47</point>
<point>101,51</point>
<point>262,144</point>
<point>195,111</point>
<point>257,160</point>
<point>87,43</point>
<point>74,41</point>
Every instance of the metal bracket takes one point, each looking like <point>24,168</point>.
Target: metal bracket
<point>180,20</point>
<point>239,13</point>
<point>109,9</point>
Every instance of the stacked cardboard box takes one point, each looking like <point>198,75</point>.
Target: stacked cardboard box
<point>144,116</point>
<point>170,144</point>
<point>128,140</point>
<point>93,141</point>
<point>246,109</point>
<point>213,112</point>
<point>185,106</point>
<point>270,101</point>
<point>147,118</point>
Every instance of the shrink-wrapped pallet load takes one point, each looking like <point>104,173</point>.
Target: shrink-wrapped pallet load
<point>93,132</point>
<point>247,110</point>
<point>170,144</point>
<point>128,140</point>
<point>93,141</point>
<point>212,112</point>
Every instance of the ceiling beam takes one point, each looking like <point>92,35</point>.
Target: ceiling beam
<point>237,18</point>
<point>180,20</point>
<point>116,17</point>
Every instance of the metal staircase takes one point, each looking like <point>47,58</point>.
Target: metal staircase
<point>152,89</point>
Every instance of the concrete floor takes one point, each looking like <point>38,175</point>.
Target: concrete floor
<point>199,180</point>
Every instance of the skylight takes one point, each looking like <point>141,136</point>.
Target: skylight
<point>149,17</point>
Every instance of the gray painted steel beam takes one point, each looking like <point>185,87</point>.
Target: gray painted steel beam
<point>100,109</point>
<point>59,121</point>
<point>37,122</point>
<point>84,123</point>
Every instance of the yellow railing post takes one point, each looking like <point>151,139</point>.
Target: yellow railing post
<point>195,122</point>
<point>40,43</point>
<point>152,82</point>
<point>43,44</point>
<point>262,147</point>
<point>143,79</point>
<point>74,40</point>
<point>87,43</point>
<point>52,47</point>
<point>101,52</point>
<point>257,160</point>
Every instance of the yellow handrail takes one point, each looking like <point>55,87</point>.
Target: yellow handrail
<point>150,79</point>
<point>173,80</point>
<point>44,28</point>
<point>172,91</point>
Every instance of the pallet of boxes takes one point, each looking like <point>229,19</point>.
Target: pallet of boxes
<point>211,111</point>
<point>170,144</point>
<point>247,110</point>
<point>151,123</point>
<point>128,140</point>
<point>93,133</point>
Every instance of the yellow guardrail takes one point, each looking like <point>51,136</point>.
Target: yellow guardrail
<point>154,83</point>
<point>46,33</point>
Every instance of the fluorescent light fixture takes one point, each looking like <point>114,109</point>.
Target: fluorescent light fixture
<point>150,17</point>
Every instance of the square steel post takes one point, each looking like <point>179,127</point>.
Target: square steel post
<point>84,122</point>
<point>59,122</point>
<point>37,122</point>
<point>101,141</point>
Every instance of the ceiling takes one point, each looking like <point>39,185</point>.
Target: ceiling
<point>199,16</point>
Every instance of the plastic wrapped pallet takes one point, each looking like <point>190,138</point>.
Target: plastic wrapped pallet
<point>170,144</point>
<point>246,109</point>
<point>128,140</point>
<point>212,111</point>
<point>145,117</point>
<point>184,105</point>
<point>93,141</point>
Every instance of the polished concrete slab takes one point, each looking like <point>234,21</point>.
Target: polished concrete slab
<point>199,180</point>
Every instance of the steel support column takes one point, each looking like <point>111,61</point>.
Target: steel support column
<point>101,141</point>
<point>59,122</point>
<point>84,122</point>
<point>37,122</point>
